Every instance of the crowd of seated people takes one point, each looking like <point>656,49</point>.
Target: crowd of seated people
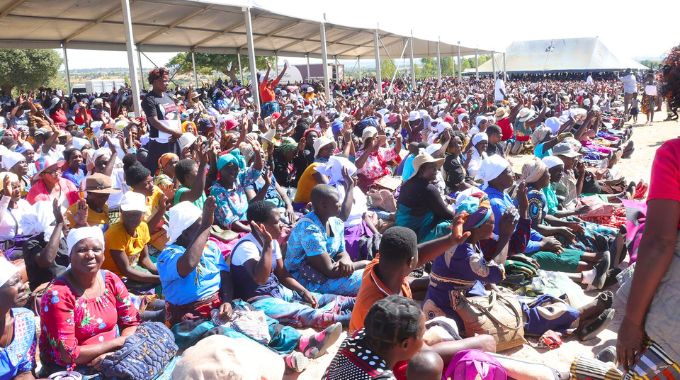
<point>379,215</point>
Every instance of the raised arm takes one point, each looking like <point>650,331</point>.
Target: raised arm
<point>190,259</point>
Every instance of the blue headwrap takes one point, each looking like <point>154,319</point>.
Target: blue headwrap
<point>476,204</point>
<point>233,157</point>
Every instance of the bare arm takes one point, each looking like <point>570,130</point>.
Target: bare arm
<point>432,249</point>
<point>197,188</point>
<point>123,264</point>
<point>190,259</point>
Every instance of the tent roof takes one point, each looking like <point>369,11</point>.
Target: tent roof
<point>216,26</point>
<point>571,54</point>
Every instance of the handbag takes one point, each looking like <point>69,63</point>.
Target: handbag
<point>144,354</point>
<point>495,315</point>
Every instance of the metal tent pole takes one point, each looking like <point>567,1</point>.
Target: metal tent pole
<point>378,74</point>
<point>505,73</point>
<point>477,64</point>
<point>251,58</point>
<point>131,49</point>
<point>68,72</point>
<point>413,66</point>
<point>276,63</point>
<point>308,72</point>
<point>193,68</point>
<point>460,66</point>
<point>359,66</point>
<point>324,60</point>
<point>141,69</point>
<point>493,65</point>
<point>240,69</point>
<point>439,63</point>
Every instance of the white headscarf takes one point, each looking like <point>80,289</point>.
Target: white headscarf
<point>492,167</point>
<point>7,270</point>
<point>78,234</point>
<point>479,137</point>
<point>333,169</point>
<point>181,216</point>
<point>10,159</point>
<point>552,161</point>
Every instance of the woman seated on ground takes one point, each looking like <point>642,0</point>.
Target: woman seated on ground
<point>192,179</point>
<point>456,177</point>
<point>48,184</point>
<point>139,178</point>
<point>165,176</point>
<point>546,250</point>
<point>465,271</point>
<point>476,153</point>
<point>316,255</point>
<point>196,281</point>
<point>261,278</point>
<point>75,170</point>
<point>229,190</point>
<point>18,340</point>
<point>373,158</point>
<point>420,206</point>
<point>536,176</point>
<point>393,333</point>
<point>86,313</point>
<point>359,229</point>
<point>127,254</point>
<point>588,236</point>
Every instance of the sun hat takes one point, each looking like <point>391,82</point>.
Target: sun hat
<point>564,149</point>
<point>501,113</point>
<point>321,142</point>
<point>552,161</point>
<point>186,140</point>
<point>525,114</point>
<point>46,162</point>
<point>368,133</point>
<point>99,183</point>
<point>424,158</point>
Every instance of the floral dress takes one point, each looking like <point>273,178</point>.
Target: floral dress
<point>232,204</point>
<point>376,165</point>
<point>19,356</point>
<point>68,322</point>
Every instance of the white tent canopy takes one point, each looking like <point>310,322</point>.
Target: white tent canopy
<point>198,25</point>
<point>214,26</point>
<point>572,54</point>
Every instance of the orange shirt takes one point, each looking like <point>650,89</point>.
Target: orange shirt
<point>371,291</point>
<point>267,91</point>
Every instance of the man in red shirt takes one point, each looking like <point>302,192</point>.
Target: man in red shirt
<point>268,102</point>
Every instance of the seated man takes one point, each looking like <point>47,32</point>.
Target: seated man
<point>196,281</point>
<point>262,280</point>
<point>98,188</point>
<point>387,275</point>
<point>316,255</point>
<point>394,333</point>
<point>127,254</point>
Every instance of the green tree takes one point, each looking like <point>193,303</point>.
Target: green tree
<point>387,68</point>
<point>224,63</point>
<point>428,67</point>
<point>27,69</point>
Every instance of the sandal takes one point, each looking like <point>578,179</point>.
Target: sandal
<point>296,361</point>
<point>590,330</point>
<point>320,342</point>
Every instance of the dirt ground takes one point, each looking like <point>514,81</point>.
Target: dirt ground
<point>646,139</point>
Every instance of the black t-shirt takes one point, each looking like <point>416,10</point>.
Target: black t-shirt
<point>422,197</point>
<point>492,149</point>
<point>38,275</point>
<point>162,107</point>
<point>455,172</point>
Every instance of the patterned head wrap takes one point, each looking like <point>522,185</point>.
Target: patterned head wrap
<point>475,203</point>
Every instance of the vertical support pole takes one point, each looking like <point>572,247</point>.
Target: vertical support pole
<point>276,62</point>
<point>439,63</point>
<point>141,69</point>
<point>477,64</point>
<point>378,74</point>
<point>254,88</point>
<point>68,72</point>
<point>460,66</point>
<point>308,72</point>
<point>240,69</point>
<point>131,48</point>
<point>324,60</point>
<point>505,73</point>
<point>413,66</point>
<point>193,68</point>
<point>359,66</point>
<point>493,65</point>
